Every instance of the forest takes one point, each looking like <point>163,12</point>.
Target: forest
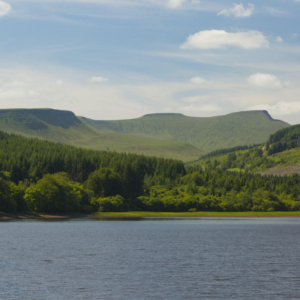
<point>47,177</point>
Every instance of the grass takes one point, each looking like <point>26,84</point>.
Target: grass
<point>288,157</point>
<point>146,214</point>
<point>143,214</point>
<point>118,142</point>
<point>287,163</point>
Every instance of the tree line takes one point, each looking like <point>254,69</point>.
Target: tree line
<point>42,176</point>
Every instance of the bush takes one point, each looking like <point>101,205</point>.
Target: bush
<point>193,210</point>
<point>55,194</point>
<point>109,204</point>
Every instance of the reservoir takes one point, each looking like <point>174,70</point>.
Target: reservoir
<point>150,259</point>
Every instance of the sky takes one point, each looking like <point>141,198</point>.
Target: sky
<point>121,59</point>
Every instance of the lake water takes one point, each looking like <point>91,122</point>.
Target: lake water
<point>150,259</point>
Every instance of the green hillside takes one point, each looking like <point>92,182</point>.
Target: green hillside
<point>207,134</point>
<point>280,155</point>
<point>66,128</point>
<point>164,135</point>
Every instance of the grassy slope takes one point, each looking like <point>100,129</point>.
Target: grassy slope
<point>208,134</point>
<point>222,157</point>
<point>286,162</point>
<point>66,128</point>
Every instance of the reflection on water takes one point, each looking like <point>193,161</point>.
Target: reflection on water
<point>150,259</point>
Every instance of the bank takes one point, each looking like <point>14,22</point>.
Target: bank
<point>146,214</point>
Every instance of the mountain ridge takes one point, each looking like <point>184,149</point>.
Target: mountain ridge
<point>240,128</point>
<point>168,135</point>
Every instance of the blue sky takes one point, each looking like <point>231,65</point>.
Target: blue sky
<point>119,59</point>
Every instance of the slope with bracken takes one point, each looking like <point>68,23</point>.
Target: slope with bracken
<point>280,155</point>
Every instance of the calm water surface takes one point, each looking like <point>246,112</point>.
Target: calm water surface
<point>150,259</point>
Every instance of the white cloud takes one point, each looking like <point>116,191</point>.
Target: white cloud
<point>31,89</point>
<point>295,35</point>
<point>279,109</point>
<point>198,98</point>
<point>175,3</point>
<point>216,39</point>
<point>265,81</point>
<point>275,11</point>
<point>98,79</point>
<point>279,39</point>
<point>198,80</point>
<point>25,88</point>
<point>172,4</point>
<point>59,82</point>
<point>5,8</point>
<point>238,11</point>
<point>200,108</point>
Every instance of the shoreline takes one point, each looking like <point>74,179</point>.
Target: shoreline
<point>147,215</point>
<point>29,216</point>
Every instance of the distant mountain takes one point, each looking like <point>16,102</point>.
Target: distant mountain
<point>66,128</point>
<point>207,134</point>
<point>166,135</point>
